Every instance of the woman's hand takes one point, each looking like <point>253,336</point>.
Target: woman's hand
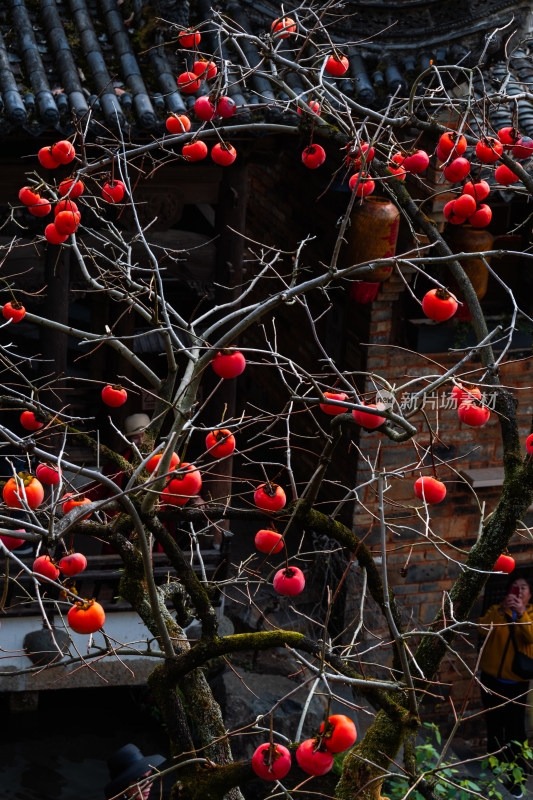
<point>513,602</point>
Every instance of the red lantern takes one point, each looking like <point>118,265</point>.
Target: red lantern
<point>364,292</point>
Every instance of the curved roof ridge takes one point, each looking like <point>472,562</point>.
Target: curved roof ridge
<point>32,60</point>
<point>95,59</point>
<point>130,68</point>
<point>63,57</point>
<point>16,110</point>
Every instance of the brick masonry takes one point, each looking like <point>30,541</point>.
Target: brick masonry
<point>456,520</point>
<point>369,342</point>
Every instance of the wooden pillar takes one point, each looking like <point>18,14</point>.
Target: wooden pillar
<point>230,217</point>
<point>231,213</point>
<point>55,343</point>
<point>57,276</point>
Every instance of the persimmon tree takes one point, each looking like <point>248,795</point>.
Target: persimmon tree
<point>377,150</point>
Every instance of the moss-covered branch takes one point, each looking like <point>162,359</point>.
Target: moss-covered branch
<point>195,589</point>
<point>204,651</point>
<point>311,518</point>
<point>133,587</point>
<point>211,782</point>
<point>198,707</point>
<point>367,763</point>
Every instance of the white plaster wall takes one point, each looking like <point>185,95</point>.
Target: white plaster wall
<point>125,627</point>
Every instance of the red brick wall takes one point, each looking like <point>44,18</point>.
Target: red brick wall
<point>369,336</point>
<point>456,519</point>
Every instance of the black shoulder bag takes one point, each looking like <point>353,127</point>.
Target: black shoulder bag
<point>522,664</point>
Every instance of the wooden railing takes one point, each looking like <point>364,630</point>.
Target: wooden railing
<point>101,578</point>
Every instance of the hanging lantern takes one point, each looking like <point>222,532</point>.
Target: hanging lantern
<point>466,239</point>
<point>364,292</point>
<point>372,234</point>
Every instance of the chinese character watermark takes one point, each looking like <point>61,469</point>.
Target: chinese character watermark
<point>408,401</point>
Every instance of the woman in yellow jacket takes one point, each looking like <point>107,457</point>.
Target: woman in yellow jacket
<point>504,717</point>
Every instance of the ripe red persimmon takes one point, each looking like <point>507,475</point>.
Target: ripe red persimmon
<point>457,170</point>
<point>48,474</point>
<point>153,463</point>
<point>86,616</point>
<point>314,762</point>
<point>282,27</point>
<point>313,156</point>
<point>398,158</point>
<point>452,141</point>
<point>289,581</point>
<point>28,197</point>
<point>365,187</point>
<point>41,208</point>
<point>14,311</point>
<point>341,733</point>
<point>430,489</point>
<point>461,393</point>
<point>13,492</point>
<point>523,148</point>
<point>479,191</point>
<point>451,214</point>
<point>356,154</point>
<point>45,566</point>
<point>336,65</point>
<point>206,70</point>
<point>186,480</point>
<point>204,108</point>
<point>481,217</point>
<point>398,172</point>
<point>457,220</point>
<point>331,409</point>
<point>314,106</point>
<point>509,136</point>
<point>505,564</point>
<point>223,154</point>
<point>270,497</point>
<point>114,396</point>
<point>66,222</point>
<point>220,443</point>
<point>53,236</point>
<point>73,564</point>
<point>46,158</point>
<point>228,363</point>
<point>368,420</point>
<point>464,206</point>
<point>226,107</point>
<point>113,192</point>
<point>12,542</point>
<point>28,421</point>
<point>504,176</point>
<point>178,124</point>
<point>173,498</point>
<point>73,501</point>
<point>66,205</point>
<point>71,188</point>
<point>439,305</point>
<point>417,162</point>
<point>188,82</point>
<point>489,150</point>
<point>189,38</point>
<point>267,541</point>
<point>63,152</point>
<point>440,154</point>
<point>194,151</point>
<point>271,762</point>
<point>529,443</point>
<point>473,414</point>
